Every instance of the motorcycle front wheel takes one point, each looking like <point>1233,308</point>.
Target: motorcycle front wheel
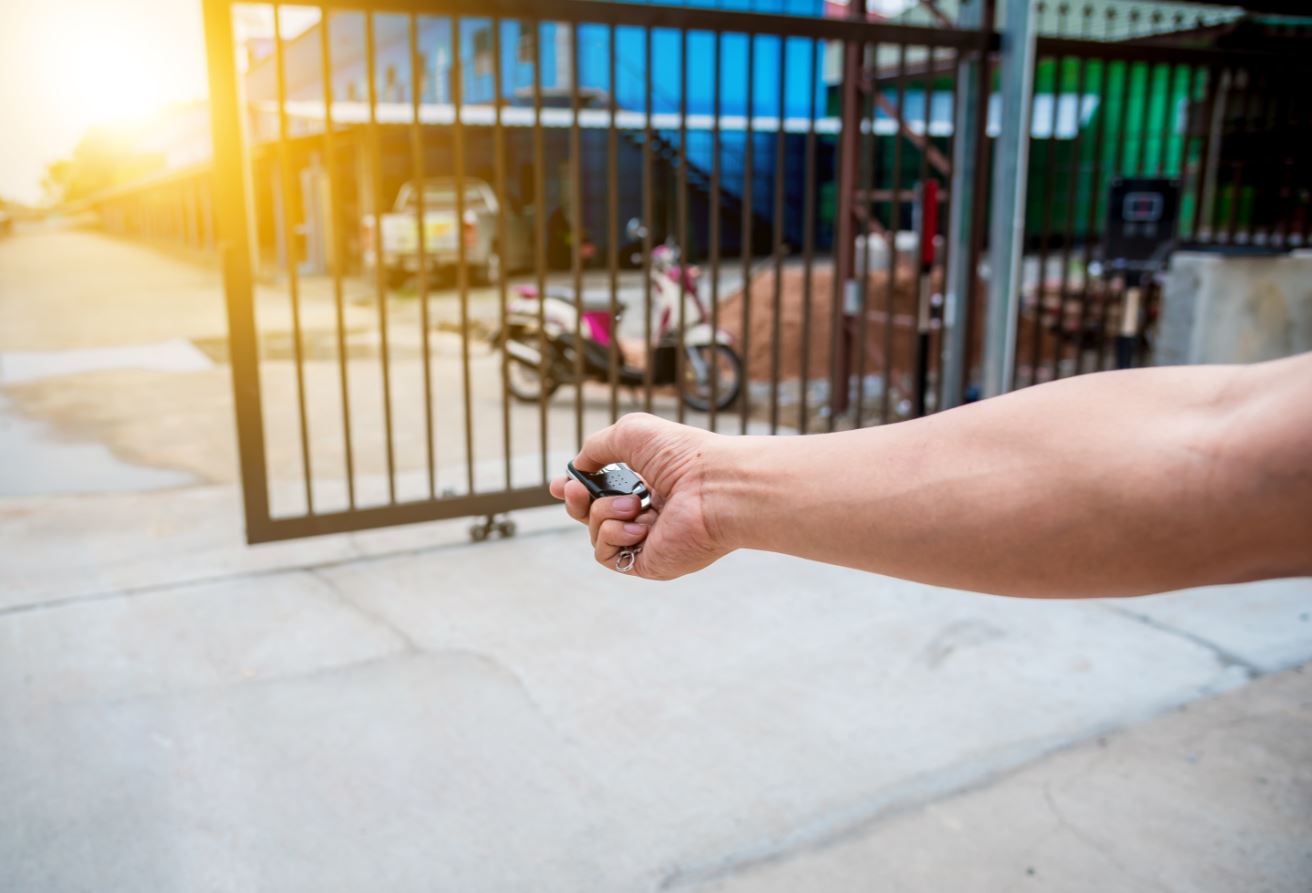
<point>524,378</point>
<point>707,363</point>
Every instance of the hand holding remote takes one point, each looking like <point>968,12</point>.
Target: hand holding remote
<point>678,533</point>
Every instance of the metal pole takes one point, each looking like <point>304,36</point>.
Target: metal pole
<point>968,118</point>
<point>235,240</point>
<point>854,54</point>
<point>1010,165</point>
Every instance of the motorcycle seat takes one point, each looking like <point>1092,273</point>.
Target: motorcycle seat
<point>593,301</point>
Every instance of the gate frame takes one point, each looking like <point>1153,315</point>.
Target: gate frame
<point>235,237</point>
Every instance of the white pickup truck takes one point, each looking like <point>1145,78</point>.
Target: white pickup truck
<point>484,255</point>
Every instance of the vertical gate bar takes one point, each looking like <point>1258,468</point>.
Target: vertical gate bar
<point>1260,172</point>
<point>1277,119</point>
<point>178,216</point>
<point>1196,75</point>
<point>612,239</point>
<point>1119,160</point>
<point>922,352</point>
<point>868,143</point>
<point>1036,358</point>
<point>417,164</point>
<point>1091,224</point>
<point>1007,225</point>
<point>977,290</point>
<point>967,195</point>
<point>895,224</point>
<point>1143,282</point>
<point>289,256</point>
<point>1277,187</point>
<point>1164,134</point>
<point>1296,226</point>
<point>1217,78</point>
<point>503,239</point>
<point>1072,180</point>
<point>778,247</point>
<point>648,221</point>
<point>380,268</point>
<point>540,241</point>
<point>1261,101</point>
<point>808,238</point>
<point>190,231</point>
<point>1037,352</point>
<point>843,175</point>
<point>1284,198</point>
<point>226,114</point>
<point>576,237</point>
<point>1305,225</point>
<point>1145,116</point>
<point>462,253</point>
<point>945,258</point>
<point>681,209</point>
<point>1243,104</point>
<point>746,290</point>
<point>714,224</point>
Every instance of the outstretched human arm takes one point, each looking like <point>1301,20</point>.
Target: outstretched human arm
<point>1118,483</point>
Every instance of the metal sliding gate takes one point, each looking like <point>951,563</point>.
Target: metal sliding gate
<point>367,397</point>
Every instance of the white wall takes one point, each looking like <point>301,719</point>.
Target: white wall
<point>1219,309</point>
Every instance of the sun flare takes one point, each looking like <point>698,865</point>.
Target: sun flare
<point>102,68</point>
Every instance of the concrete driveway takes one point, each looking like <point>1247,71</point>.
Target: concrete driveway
<point>403,710</point>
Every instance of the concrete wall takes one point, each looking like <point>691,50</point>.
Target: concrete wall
<point>1218,309</point>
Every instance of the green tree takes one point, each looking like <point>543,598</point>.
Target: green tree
<point>105,157</point>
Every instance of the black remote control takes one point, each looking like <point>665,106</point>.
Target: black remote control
<point>616,479</point>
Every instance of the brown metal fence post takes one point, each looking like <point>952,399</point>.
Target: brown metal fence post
<point>844,253</point>
<point>969,192</point>
<point>234,248</point>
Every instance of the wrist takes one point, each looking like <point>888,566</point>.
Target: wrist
<point>740,487</point>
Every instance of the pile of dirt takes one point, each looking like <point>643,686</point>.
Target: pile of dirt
<point>794,309</point>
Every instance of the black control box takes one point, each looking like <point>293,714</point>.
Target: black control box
<point>1142,216</point>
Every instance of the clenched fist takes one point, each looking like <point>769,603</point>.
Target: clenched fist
<point>680,533</point>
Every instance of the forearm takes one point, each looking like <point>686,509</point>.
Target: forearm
<point>1112,484</point>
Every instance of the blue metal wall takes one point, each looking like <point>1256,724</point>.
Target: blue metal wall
<point>803,88</point>
<point>393,68</point>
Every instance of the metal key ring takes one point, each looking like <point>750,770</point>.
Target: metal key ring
<point>627,559</point>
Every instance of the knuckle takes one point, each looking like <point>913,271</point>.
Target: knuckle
<point>637,424</point>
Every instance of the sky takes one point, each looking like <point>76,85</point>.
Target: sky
<point>66,65</point>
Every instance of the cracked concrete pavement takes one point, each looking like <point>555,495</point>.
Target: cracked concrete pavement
<point>403,710</point>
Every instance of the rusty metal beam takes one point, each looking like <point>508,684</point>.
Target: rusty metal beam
<point>919,140</point>
<point>939,15</point>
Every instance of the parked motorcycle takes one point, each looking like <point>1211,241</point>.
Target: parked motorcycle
<point>707,354</point>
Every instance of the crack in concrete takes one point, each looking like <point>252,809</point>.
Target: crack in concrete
<point>918,792</point>
<point>1093,843</point>
<point>373,617</point>
<point>915,793</point>
<point>1227,659</point>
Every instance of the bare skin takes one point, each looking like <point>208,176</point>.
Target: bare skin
<point>1120,483</point>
